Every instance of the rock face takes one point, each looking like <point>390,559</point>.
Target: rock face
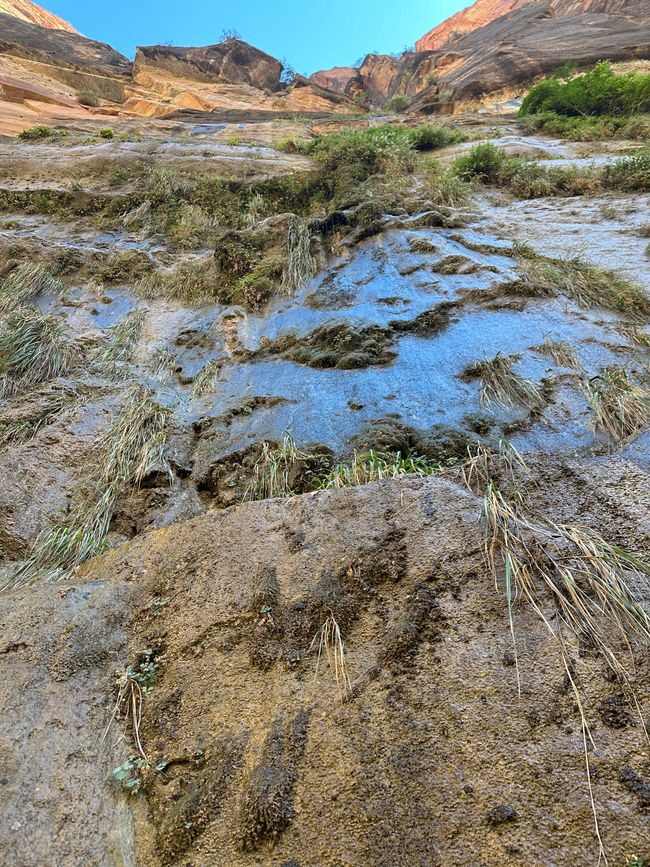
<point>483,12</point>
<point>229,62</point>
<point>28,11</point>
<point>255,751</point>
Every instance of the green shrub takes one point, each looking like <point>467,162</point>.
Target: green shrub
<point>588,128</point>
<point>484,162</point>
<point>39,132</point>
<point>397,104</point>
<point>106,133</point>
<point>629,174</point>
<point>596,92</point>
<point>429,138</point>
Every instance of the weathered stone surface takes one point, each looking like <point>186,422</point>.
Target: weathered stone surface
<point>229,62</point>
<point>254,749</point>
<point>34,14</point>
<point>483,12</point>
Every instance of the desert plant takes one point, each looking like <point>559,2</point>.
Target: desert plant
<point>106,133</point>
<point>34,133</point>
<point>501,384</point>
<point>397,104</point>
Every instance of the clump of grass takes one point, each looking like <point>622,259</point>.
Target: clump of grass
<point>192,227</point>
<point>621,407</point>
<point>122,338</point>
<point>194,282</point>
<point>588,285</point>
<point>445,188</point>
<point>562,353</point>
<point>372,466</point>
<point>125,455</point>
<point>273,470</point>
<point>629,174</point>
<point>22,419</point>
<point>484,162</point>
<point>301,265</point>
<point>590,128</point>
<point>124,266</point>
<point>161,362</point>
<point>330,645</point>
<point>33,349</point>
<point>501,384</point>
<point>24,284</point>
<point>206,379</point>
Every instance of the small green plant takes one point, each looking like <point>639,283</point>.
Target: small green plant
<point>106,133</point>
<point>484,162</point>
<point>629,174</point>
<point>128,774</point>
<point>373,466</point>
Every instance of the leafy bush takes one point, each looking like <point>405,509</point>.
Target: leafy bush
<point>397,104</point>
<point>39,132</point>
<point>596,92</point>
<point>484,162</point>
<point>106,133</point>
<point>429,138</point>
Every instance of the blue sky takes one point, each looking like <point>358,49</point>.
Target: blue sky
<point>311,35</point>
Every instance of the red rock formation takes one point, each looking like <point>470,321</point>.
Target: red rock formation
<point>337,78</point>
<point>485,11</point>
<point>28,11</point>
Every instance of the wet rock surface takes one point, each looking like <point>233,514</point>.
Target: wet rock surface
<point>252,747</point>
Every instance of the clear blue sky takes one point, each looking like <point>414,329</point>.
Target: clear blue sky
<point>311,34</point>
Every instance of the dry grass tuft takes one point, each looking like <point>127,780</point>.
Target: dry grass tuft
<point>207,378</point>
<point>621,407</point>
<point>26,283</point>
<point>273,470</point>
<point>122,338</point>
<point>27,414</point>
<point>500,384</point>
<point>588,285</point>
<point>330,645</point>
<point>131,449</point>
<point>562,353</point>
<point>301,265</point>
<point>33,350</point>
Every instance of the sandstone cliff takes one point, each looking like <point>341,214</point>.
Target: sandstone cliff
<point>28,11</point>
<point>483,12</point>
